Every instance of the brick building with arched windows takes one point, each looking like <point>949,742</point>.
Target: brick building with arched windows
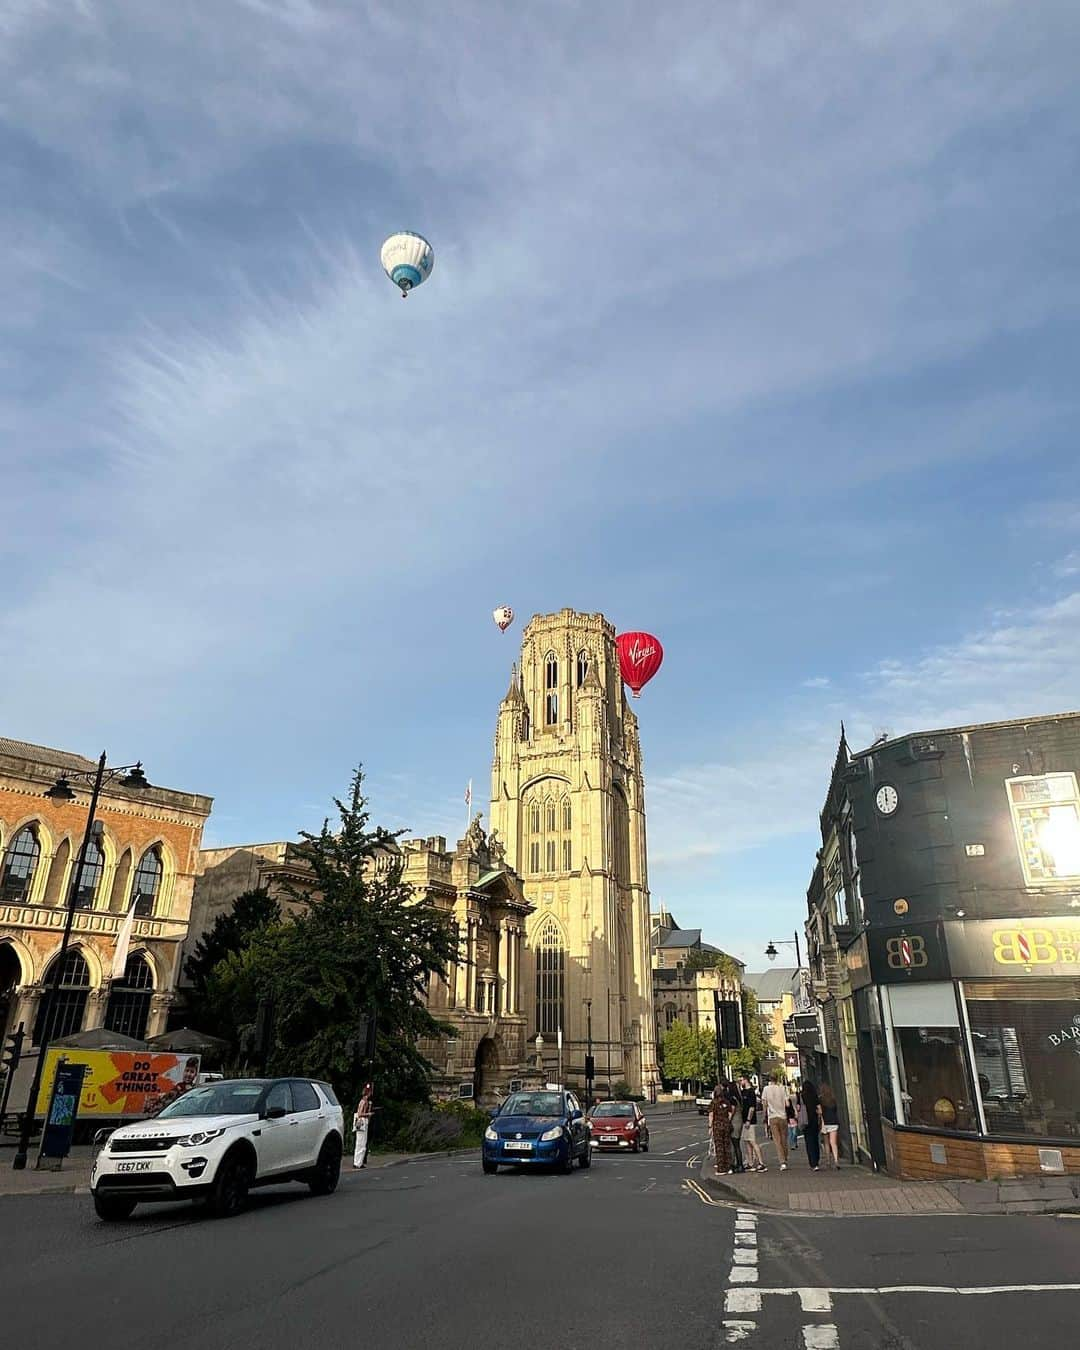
<point>144,851</point>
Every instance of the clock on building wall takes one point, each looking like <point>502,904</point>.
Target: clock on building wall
<point>886,799</point>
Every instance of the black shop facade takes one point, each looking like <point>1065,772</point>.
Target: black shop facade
<point>965,971</point>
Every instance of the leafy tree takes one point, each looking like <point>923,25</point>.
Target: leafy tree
<point>689,1054</point>
<point>700,958</point>
<point>361,942</point>
<point>230,935</point>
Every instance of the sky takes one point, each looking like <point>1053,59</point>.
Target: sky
<point>755,327</point>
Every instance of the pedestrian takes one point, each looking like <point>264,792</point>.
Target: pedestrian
<point>720,1129</point>
<point>737,1124</point>
<point>775,1101</point>
<point>813,1124</point>
<point>362,1126</point>
<point>830,1123</point>
<point>751,1131</point>
<point>793,1121</point>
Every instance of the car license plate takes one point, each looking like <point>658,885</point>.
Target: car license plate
<point>609,1138</point>
<point>134,1166</point>
<point>519,1145</point>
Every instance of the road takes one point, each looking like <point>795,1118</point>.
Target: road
<point>625,1255</point>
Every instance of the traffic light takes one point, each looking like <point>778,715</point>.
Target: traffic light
<point>13,1044</point>
<point>366,1036</point>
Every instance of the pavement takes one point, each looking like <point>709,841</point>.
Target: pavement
<point>636,1251</point>
<point>850,1189</point>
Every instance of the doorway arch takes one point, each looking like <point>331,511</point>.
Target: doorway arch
<point>486,1072</point>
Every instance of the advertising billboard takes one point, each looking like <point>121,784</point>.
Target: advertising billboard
<point>122,1083</point>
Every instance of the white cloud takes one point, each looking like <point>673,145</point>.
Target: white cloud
<point>817,682</point>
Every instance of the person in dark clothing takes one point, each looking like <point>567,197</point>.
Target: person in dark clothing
<point>813,1124</point>
<point>734,1098</point>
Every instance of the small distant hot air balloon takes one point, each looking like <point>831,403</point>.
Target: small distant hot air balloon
<point>640,657</point>
<point>407,260</point>
<point>503,616</point>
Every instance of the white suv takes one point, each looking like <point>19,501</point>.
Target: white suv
<point>217,1141</point>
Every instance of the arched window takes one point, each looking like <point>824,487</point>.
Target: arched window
<point>549,811</point>
<point>534,818</point>
<point>91,876</point>
<point>525,725</point>
<point>551,689</point>
<point>550,979</point>
<point>669,1016</point>
<point>65,1007</point>
<point>582,667</point>
<point>549,855</point>
<point>147,882</point>
<point>20,864</point>
<point>128,1009</point>
<point>567,814</point>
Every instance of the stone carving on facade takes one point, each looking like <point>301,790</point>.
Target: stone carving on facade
<point>496,849</point>
<point>475,839</point>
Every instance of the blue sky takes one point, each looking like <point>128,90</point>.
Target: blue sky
<point>752,326</point>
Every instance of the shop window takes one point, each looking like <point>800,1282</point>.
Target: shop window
<point>1027,1056</point>
<point>928,1041</point>
<point>1046,821</point>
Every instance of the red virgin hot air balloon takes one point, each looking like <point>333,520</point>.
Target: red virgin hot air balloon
<point>640,657</point>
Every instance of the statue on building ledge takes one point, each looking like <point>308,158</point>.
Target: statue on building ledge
<point>496,849</point>
<point>476,841</point>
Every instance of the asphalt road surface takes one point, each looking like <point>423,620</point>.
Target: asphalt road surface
<point>626,1255</point>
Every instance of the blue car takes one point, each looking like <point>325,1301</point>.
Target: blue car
<point>538,1129</point>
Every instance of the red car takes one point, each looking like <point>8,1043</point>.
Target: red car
<point>619,1125</point>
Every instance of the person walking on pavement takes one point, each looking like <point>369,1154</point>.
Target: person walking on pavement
<point>751,1134</point>
<point>720,1128</point>
<point>362,1126</point>
<point>830,1124</point>
<point>813,1124</point>
<point>793,1121</point>
<point>735,1101</point>
<point>775,1101</point>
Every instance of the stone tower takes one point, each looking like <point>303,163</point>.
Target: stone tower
<point>568,805</point>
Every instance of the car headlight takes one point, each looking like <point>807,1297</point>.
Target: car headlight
<point>199,1138</point>
<point>489,1133</point>
<point>556,1133</point>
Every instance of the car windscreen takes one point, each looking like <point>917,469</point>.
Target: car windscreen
<point>612,1109</point>
<point>216,1099</point>
<point>533,1104</point>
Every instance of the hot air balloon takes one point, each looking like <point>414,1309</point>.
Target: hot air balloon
<point>640,657</point>
<point>407,260</point>
<point>503,616</point>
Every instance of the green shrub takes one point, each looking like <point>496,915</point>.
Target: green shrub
<point>438,1128</point>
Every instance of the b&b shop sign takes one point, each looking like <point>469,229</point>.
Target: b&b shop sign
<point>1014,948</point>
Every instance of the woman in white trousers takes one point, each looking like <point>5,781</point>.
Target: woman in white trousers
<point>362,1125</point>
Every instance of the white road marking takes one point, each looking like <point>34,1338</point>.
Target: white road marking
<point>748,1239</point>
<point>738,1331</point>
<point>742,1301</point>
<point>823,1337</point>
<point>745,1256</point>
<point>743,1275</point>
<point>815,1300</point>
<point>933,1289</point>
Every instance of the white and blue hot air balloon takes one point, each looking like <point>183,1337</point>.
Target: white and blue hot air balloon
<point>407,260</point>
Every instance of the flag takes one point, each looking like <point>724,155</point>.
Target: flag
<point>123,941</point>
<point>468,794</point>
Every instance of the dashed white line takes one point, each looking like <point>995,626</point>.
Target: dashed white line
<point>738,1331</point>
<point>742,1301</point>
<point>821,1337</point>
<point>743,1275</point>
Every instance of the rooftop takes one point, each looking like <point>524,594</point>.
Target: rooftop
<point>971,726</point>
<point>770,986</point>
<point>42,754</point>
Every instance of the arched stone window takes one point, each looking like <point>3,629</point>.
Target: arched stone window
<point>549,811</point>
<point>92,871</point>
<point>551,689</point>
<point>582,667</point>
<point>20,865</point>
<point>67,1001</point>
<point>147,882</point>
<point>550,979</point>
<point>128,1009</point>
<point>526,726</point>
<point>567,814</point>
<point>670,1015</point>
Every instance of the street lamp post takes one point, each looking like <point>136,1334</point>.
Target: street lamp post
<point>588,1053</point>
<point>61,792</point>
<point>771,952</point>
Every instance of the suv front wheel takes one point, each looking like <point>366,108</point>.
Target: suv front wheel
<point>327,1171</point>
<point>230,1189</point>
<point>113,1208</point>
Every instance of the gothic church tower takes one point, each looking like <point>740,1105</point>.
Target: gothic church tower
<point>568,804</point>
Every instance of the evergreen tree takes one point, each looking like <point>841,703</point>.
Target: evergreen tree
<point>230,935</point>
<point>361,943</point>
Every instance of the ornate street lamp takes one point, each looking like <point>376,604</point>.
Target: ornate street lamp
<point>127,776</point>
